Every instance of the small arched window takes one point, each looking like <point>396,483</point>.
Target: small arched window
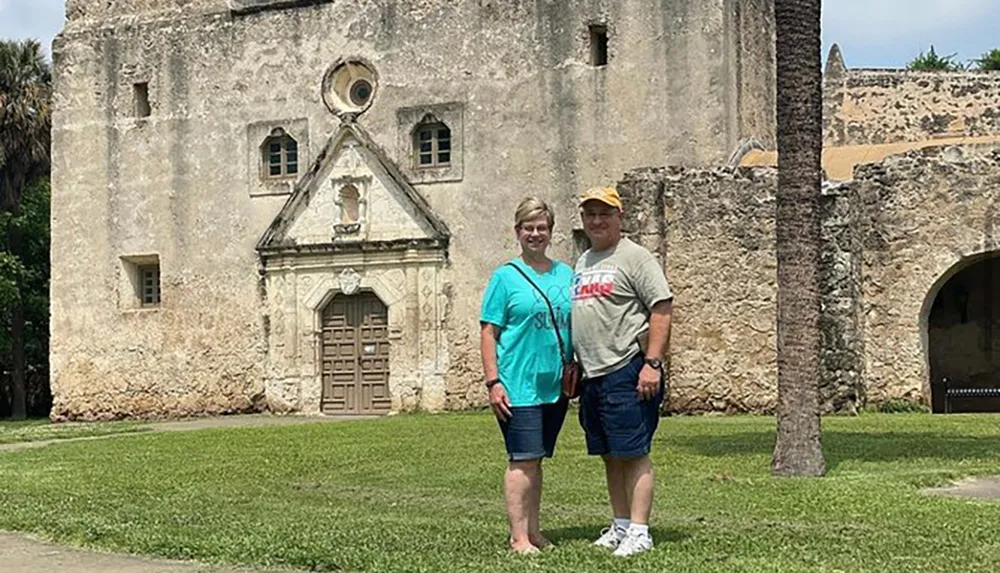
<point>432,143</point>
<point>281,155</point>
<point>350,211</point>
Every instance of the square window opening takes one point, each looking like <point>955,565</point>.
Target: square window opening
<point>142,286</point>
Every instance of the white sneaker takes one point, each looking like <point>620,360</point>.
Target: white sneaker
<point>610,537</point>
<point>634,543</point>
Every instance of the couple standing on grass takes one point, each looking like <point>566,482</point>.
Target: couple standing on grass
<point>619,305</point>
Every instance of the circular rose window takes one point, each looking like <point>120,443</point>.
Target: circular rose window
<point>349,87</point>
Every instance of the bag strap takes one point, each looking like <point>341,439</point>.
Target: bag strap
<point>552,312</point>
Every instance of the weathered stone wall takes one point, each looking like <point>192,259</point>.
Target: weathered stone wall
<point>535,118</point>
<point>886,106</point>
<point>717,242</point>
<point>926,215</point>
<point>891,238</point>
<point>714,230</point>
<point>755,72</point>
<point>841,322</point>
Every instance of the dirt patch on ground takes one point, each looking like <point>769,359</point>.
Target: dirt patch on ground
<point>984,488</point>
<point>24,554</point>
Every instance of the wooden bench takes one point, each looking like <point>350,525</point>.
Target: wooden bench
<point>956,390</point>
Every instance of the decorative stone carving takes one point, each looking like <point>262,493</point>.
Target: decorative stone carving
<point>349,280</point>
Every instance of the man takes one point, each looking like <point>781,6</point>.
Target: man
<point>621,324</point>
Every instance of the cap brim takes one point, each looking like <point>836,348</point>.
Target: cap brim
<point>608,202</point>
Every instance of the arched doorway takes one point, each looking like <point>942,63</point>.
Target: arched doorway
<point>963,323</point>
<point>354,355</point>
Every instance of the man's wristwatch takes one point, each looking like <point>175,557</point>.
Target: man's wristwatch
<point>492,383</point>
<point>655,363</point>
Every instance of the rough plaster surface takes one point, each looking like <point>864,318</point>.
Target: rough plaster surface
<point>887,106</point>
<point>536,119</point>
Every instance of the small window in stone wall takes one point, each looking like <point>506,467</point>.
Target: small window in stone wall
<point>433,145</point>
<point>430,145</point>
<point>598,45</point>
<point>281,155</point>
<point>277,155</point>
<point>141,93</point>
<point>141,285</point>
<point>149,284</point>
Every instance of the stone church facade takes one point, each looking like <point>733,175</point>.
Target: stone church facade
<point>294,205</point>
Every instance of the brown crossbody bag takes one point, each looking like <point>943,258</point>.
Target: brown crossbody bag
<point>571,368</point>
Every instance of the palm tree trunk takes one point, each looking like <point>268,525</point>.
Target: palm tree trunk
<point>797,451</point>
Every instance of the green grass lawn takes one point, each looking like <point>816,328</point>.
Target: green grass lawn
<point>42,429</point>
<point>422,493</point>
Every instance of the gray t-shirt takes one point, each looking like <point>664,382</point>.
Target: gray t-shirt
<point>613,291</point>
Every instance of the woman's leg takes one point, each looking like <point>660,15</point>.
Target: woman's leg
<point>534,524</point>
<point>553,416</point>
<point>521,494</point>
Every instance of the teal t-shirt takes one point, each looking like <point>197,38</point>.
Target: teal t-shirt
<point>527,350</point>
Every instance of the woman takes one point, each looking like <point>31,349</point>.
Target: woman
<point>522,364</point>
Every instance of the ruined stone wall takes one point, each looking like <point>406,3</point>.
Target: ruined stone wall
<point>842,384</point>
<point>714,232</point>
<point>887,106</point>
<point>925,216</point>
<point>535,117</point>
<point>717,244</point>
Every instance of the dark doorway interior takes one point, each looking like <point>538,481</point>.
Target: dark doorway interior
<point>962,344</point>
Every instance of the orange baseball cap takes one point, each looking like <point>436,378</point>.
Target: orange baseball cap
<point>606,195</point>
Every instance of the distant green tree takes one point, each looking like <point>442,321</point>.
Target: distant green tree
<point>25,126</point>
<point>989,61</point>
<point>24,281</point>
<point>932,62</point>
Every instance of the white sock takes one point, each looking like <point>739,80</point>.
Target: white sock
<point>638,529</point>
<point>622,523</point>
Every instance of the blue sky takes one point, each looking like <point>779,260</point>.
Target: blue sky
<point>871,33</point>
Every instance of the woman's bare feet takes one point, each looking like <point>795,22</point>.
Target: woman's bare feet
<point>523,548</point>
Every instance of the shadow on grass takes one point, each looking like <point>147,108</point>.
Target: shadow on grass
<point>840,446</point>
<point>589,533</point>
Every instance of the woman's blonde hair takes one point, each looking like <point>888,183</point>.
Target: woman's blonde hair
<point>532,208</point>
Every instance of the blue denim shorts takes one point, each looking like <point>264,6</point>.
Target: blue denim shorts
<point>616,420</point>
<point>531,431</point>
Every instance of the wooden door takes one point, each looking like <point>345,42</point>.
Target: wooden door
<point>355,355</point>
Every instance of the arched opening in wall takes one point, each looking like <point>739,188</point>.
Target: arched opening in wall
<point>354,355</point>
<point>962,322</point>
<point>350,210</point>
